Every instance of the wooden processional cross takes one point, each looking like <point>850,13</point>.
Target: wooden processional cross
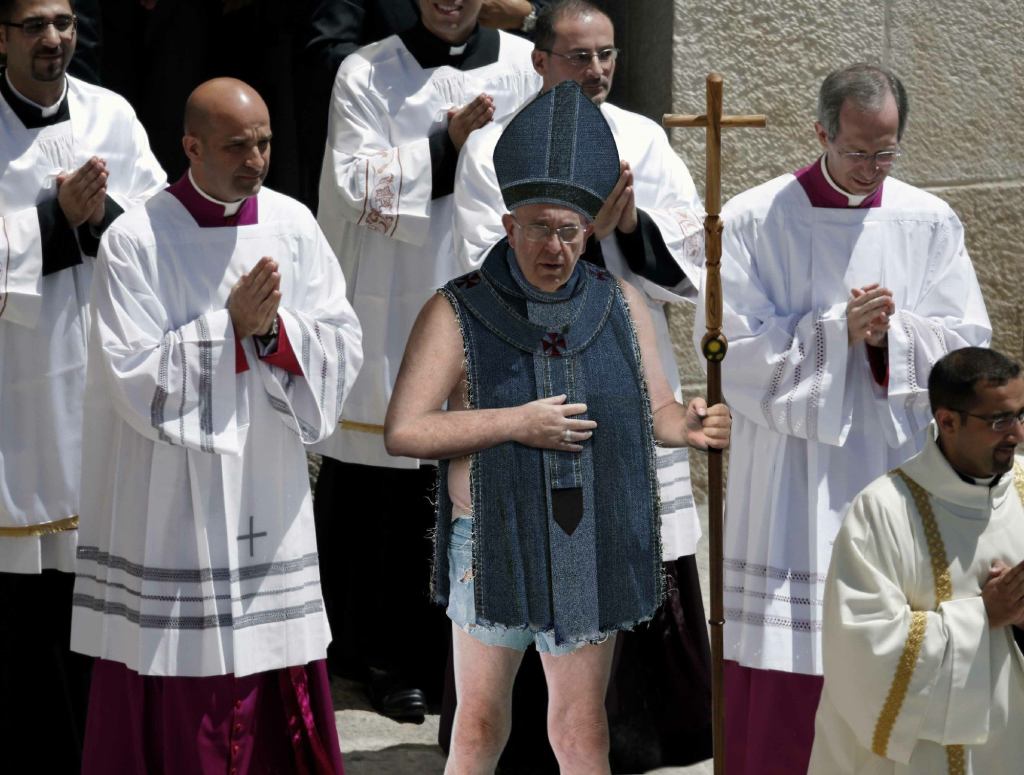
<point>714,345</point>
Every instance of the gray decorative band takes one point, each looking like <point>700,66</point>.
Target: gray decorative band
<point>156,410</point>
<point>200,598</point>
<point>675,457</point>
<point>196,575</point>
<point>211,621</point>
<point>677,504</point>
<point>205,385</point>
<point>765,620</point>
<point>769,571</point>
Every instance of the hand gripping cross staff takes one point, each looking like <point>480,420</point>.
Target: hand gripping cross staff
<point>714,346</point>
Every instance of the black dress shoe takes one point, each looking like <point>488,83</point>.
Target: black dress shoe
<point>392,697</point>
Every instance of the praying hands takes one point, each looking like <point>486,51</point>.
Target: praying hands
<point>1003,594</point>
<point>82,194</point>
<point>619,209</point>
<point>868,313</point>
<point>254,299</point>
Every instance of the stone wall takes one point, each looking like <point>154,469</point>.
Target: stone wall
<point>963,68</point>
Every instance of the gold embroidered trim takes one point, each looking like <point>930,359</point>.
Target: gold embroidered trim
<point>900,684</point>
<point>44,529</point>
<point>955,754</point>
<point>936,548</point>
<point>361,427</point>
<point>1018,481</point>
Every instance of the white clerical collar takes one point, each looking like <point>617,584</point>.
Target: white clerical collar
<point>455,51</point>
<point>230,208</point>
<point>44,110</point>
<point>853,200</point>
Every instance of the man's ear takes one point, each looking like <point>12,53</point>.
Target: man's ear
<point>540,61</point>
<point>509,223</point>
<point>819,130</point>
<point>192,147</point>
<point>947,420</point>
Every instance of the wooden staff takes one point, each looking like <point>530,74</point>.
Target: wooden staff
<point>714,345</point>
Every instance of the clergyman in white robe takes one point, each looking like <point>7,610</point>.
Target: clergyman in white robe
<point>45,271</point>
<point>916,679</point>
<point>198,556</point>
<point>814,418</point>
<point>386,208</point>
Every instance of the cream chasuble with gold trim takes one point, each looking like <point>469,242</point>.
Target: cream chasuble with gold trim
<point>915,679</point>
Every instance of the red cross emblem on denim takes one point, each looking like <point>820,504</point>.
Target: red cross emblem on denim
<point>470,280</point>
<point>553,344</point>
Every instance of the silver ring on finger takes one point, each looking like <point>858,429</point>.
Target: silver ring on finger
<point>565,436</point>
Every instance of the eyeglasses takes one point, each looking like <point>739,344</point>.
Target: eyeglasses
<point>581,59</point>
<point>35,26</point>
<point>882,159</point>
<point>1000,423</point>
<point>539,232</point>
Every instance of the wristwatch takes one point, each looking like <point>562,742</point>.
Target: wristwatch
<point>268,339</point>
<point>530,21</point>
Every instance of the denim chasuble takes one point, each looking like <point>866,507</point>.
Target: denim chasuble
<point>563,541</point>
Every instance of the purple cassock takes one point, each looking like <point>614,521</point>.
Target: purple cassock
<point>759,740</point>
<point>278,721</point>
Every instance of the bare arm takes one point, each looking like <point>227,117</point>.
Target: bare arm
<point>432,370</point>
<point>675,425</point>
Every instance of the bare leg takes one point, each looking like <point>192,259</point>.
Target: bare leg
<point>577,720</point>
<point>483,685</point>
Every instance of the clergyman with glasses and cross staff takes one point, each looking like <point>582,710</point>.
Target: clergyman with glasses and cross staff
<point>842,286</point>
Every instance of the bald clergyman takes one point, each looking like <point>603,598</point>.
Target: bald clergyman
<point>221,344</point>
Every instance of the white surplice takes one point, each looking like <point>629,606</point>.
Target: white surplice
<point>811,427</point>
<point>393,239</point>
<point>664,190</point>
<point>44,319</point>
<point>907,673</point>
<point>198,555</point>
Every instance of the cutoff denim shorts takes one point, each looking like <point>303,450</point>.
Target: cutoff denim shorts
<point>462,607</point>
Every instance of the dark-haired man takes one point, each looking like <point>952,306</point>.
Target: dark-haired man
<point>925,593</point>
<point>72,155</point>
<point>401,110</point>
<point>842,286</point>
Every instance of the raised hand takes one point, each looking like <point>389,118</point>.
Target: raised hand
<point>471,116</point>
<point>82,194</point>
<point>548,423</point>
<point>619,209</point>
<point>504,14</point>
<point>1003,595</point>
<point>867,314</point>
<point>254,299</point>
<point>707,426</point>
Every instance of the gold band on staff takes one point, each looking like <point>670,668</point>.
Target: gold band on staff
<point>44,529</point>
